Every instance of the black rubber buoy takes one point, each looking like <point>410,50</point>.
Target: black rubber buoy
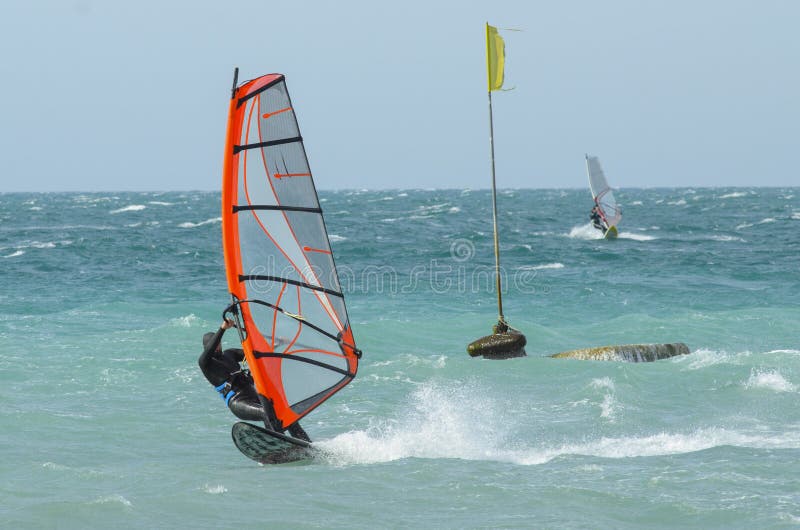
<point>505,345</point>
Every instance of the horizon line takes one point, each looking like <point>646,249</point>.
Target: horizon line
<point>200,190</point>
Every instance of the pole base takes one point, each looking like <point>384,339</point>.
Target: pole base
<point>507,345</point>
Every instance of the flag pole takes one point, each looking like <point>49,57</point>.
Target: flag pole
<point>494,219</point>
<point>504,342</point>
<point>498,285</point>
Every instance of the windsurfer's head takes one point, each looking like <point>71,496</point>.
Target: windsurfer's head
<point>207,339</point>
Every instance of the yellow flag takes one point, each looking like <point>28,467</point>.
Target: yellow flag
<point>495,57</point>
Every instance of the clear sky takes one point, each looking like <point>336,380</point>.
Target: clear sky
<point>121,95</point>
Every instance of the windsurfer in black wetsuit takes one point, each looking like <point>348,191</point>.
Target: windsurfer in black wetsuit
<point>597,221</point>
<point>235,384</point>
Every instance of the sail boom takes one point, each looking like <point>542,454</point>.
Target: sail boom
<point>281,207</point>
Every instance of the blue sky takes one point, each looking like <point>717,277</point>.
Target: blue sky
<point>133,95</point>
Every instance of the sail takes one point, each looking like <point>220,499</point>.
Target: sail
<point>280,270</point>
<point>602,192</point>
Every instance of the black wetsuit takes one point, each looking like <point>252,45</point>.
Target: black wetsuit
<point>224,371</point>
<point>597,221</point>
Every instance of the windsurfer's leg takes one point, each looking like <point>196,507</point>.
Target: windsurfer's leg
<point>245,408</point>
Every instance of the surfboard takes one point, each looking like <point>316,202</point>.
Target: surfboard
<point>611,233</point>
<point>269,447</point>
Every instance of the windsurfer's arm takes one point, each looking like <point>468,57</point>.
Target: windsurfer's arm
<point>212,346</point>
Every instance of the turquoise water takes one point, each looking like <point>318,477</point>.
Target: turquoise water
<point>107,422</point>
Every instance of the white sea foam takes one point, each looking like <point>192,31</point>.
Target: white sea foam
<point>160,203</point>
<point>542,267</point>
<point>703,358</point>
<point>791,352</point>
<point>15,254</point>
<point>113,499</point>
<point>603,382</point>
<point>769,380</point>
<point>680,202</point>
<point>726,238</point>
<point>212,220</point>
<point>54,466</point>
<point>215,490</point>
<point>454,209</point>
<point>636,203</point>
<point>608,405</point>
<point>796,216</point>
<point>131,208</point>
<point>635,237</point>
<point>761,222</point>
<point>586,231</point>
<point>187,321</point>
<point>441,424</point>
<point>334,238</point>
<point>734,195</point>
<point>38,244</point>
<point>433,208</point>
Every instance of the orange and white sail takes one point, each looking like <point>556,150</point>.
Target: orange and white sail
<point>279,265</point>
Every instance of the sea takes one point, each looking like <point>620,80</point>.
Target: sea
<point>107,422</point>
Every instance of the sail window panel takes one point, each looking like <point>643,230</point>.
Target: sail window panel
<point>290,176</point>
<point>263,252</point>
<point>309,229</point>
<point>313,307</point>
<point>303,245</point>
<point>292,336</point>
<point>608,203</point>
<point>316,308</point>
<point>303,380</point>
<point>268,338</point>
<point>254,186</point>
<point>276,116</point>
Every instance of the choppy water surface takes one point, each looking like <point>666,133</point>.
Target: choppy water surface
<point>107,422</point>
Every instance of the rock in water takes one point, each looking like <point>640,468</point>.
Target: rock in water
<point>635,353</point>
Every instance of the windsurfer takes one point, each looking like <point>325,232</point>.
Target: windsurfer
<point>223,370</point>
<point>597,221</point>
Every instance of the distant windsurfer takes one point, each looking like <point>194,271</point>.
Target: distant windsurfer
<point>597,220</point>
<point>224,371</point>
